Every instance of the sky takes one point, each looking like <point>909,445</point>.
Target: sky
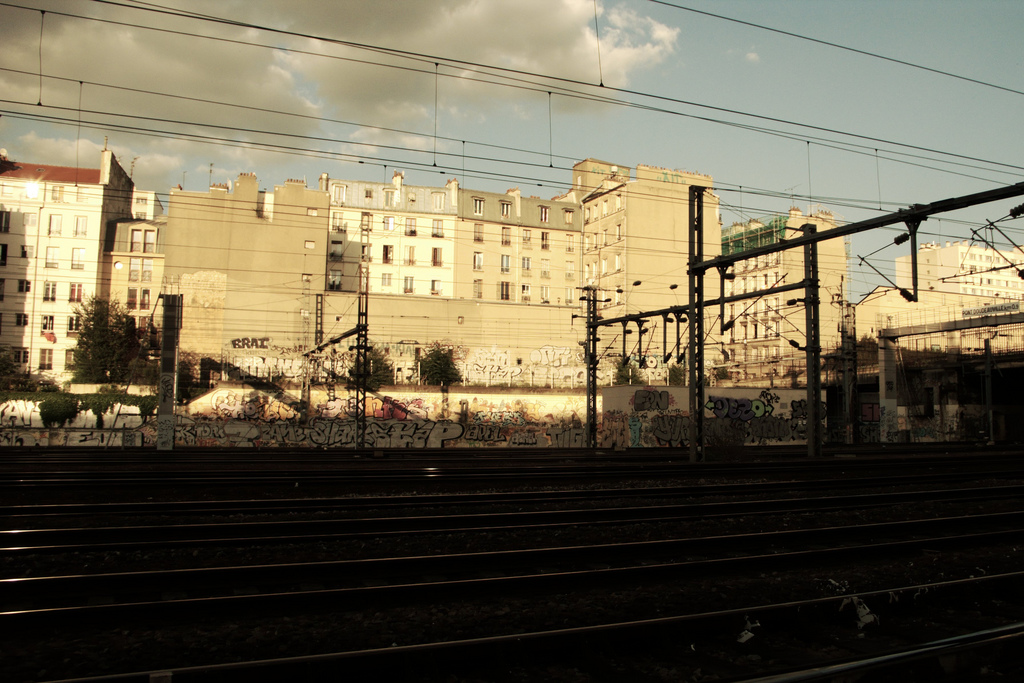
<point>860,108</point>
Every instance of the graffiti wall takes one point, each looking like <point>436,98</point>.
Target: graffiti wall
<point>646,417</point>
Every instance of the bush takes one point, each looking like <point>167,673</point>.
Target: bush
<point>57,409</point>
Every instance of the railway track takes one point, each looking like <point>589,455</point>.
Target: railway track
<point>566,580</point>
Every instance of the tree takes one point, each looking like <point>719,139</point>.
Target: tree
<point>627,373</point>
<point>7,364</point>
<point>381,370</point>
<point>438,367</point>
<point>108,343</point>
<point>677,374</point>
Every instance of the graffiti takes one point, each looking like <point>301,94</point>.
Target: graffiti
<point>772,428</point>
<point>567,437</point>
<point>251,343</point>
<point>20,414</point>
<point>869,412</point>
<point>649,399</point>
<point>166,388</point>
<point>505,417</point>
<point>670,429</point>
<point>484,432</point>
<point>523,439</point>
<point>743,409</point>
<point>240,367</point>
<point>21,437</point>
<point>799,409</point>
<point>226,403</point>
<point>553,356</point>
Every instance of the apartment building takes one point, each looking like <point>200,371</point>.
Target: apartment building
<point>248,264</point>
<point>53,220</point>
<point>763,333</point>
<point>132,268</point>
<point>964,267</point>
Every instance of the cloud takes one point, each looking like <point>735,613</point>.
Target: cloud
<point>752,57</point>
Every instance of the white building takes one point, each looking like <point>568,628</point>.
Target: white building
<point>53,221</point>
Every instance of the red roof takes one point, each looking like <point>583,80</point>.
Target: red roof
<point>54,174</point>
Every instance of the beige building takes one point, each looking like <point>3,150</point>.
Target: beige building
<point>249,264</point>
<point>133,266</point>
<point>636,229</point>
<point>759,346</point>
<point>53,221</point>
<point>964,267</point>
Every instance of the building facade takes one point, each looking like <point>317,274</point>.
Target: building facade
<point>53,221</point>
<point>761,344</point>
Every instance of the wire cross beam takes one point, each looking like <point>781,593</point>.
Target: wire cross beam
<point>915,213</point>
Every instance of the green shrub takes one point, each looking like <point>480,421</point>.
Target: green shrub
<point>57,409</point>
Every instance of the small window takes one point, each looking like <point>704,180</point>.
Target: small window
<point>478,206</point>
<point>478,289</point>
<point>543,214</point>
<point>408,287</point>
<point>438,228</point>
<point>506,237</point>
<point>55,225</point>
<point>81,226</point>
<point>435,287</point>
<point>46,359</point>
<point>436,257</point>
<point>506,263</point>
<point>49,291</point>
<point>310,244</point>
<point>334,281</point>
<point>47,321</point>
<point>410,227</point>
<point>385,279</point>
<point>78,261</point>
<point>545,240</point>
<point>506,209</point>
<point>478,260</point>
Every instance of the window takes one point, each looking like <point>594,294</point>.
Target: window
<point>545,240</point>
<point>570,243</point>
<point>78,262</point>
<point>410,256</point>
<point>478,260</point>
<point>31,221</point>
<point>389,198</point>
<point>1,289</point>
<point>618,231</point>
<point>478,232</point>
<point>545,294</point>
<point>368,193</point>
<point>570,295</point>
<point>47,323</point>
<point>147,266</point>
<point>527,239</point>
<point>506,263</point>
<point>334,281</point>
<point>21,355</point>
<point>366,221</point>
<point>3,254</point>
<point>27,251</point>
<point>24,286</point>
<point>506,209</point>
<point>54,230</point>
<point>410,227</point>
<point>389,223</point>
<point>568,213</point>
<point>436,257</point>
<point>337,222</point>
<point>435,287</point>
<point>570,267</point>
<point>505,290</point>
<point>478,289</point>
<point>527,264</point>
<point>150,241</point>
<point>389,253</point>
<point>408,285</point>
<point>545,268</point>
<point>365,255</point>
<point>438,229</point>
<point>49,291</point>
<point>543,214</point>
<point>69,359</point>
<point>57,193</point>
<point>478,206</point>
<point>336,252</point>
<point>133,298</point>
<point>338,193</point>
<point>506,237</point>
<point>144,299</point>
<point>385,279</point>
<point>5,221</point>
<point>52,256</point>
<point>21,320</point>
<point>136,241</point>
<point>46,359</point>
<point>437,200</point>
<point>81,226</point>
<point>526,293</point>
